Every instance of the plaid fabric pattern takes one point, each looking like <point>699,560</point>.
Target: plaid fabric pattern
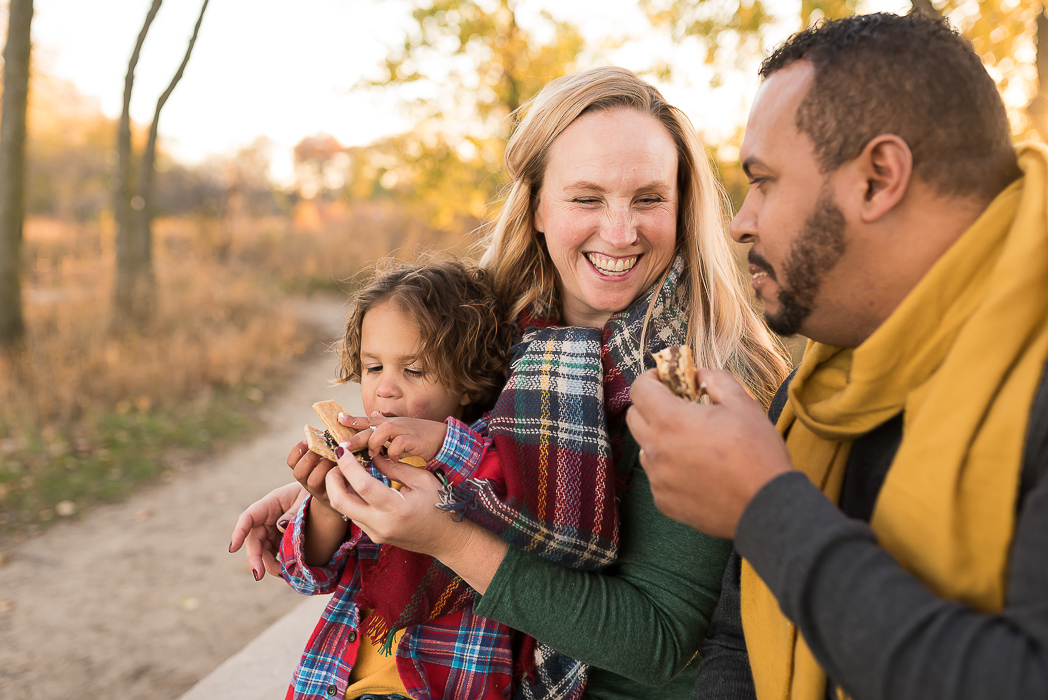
<point>555,496</point>
<point>456,655</point>
<point>567,391</point>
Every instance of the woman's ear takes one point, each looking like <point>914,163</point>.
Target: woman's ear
<point>887,165</point>
<point>536,216</point>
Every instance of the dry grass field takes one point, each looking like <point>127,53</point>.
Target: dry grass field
<point>86,413</point>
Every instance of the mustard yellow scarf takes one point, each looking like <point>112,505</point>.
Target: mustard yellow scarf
<point>961,358</point>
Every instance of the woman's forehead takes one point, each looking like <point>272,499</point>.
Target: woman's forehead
<point>599,147</point>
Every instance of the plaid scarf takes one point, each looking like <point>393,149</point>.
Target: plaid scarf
<point>567,393</point>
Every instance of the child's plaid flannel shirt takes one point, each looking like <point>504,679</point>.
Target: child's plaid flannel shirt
<point>460,656</point>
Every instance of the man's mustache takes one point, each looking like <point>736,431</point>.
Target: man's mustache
<point>760,261</point>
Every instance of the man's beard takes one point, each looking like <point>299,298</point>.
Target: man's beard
<point>818,248</point>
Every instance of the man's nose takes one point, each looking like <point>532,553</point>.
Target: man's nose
<point>743,227</point>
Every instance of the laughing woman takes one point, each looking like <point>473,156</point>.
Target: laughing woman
<point>610,246</point>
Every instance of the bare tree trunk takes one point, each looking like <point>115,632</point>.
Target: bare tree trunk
<point>147,168</point>
<point>1038,107</point>
<point>134,297</point>
<point>133,274</point>
<point>12,170</point>
<point>926,6</point>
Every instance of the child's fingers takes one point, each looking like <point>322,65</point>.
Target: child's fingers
<point>409,436</point>
<point>315,480</point>
<point>380,437</point>
<point>310,471</point>
<point>297,452</point>
<point>355,422</point>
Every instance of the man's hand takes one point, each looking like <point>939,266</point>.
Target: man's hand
<point>705,462</point>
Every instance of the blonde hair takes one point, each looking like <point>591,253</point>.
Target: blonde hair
<point>724,331</point>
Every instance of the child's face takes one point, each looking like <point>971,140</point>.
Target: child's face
<point>391,380</point>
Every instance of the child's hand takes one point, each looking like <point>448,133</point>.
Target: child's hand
<point>399,436</point>
<point>310,470</point>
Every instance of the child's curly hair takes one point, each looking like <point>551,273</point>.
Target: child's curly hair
<point>465,330</point>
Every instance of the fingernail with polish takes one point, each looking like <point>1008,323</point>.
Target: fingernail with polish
<point>257,577</point>
<point>339,451</point>
<point>230,546</point>
<point>282,525</point>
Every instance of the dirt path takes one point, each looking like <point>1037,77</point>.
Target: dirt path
<point>141,600</point>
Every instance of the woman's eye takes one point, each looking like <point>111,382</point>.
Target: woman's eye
<point>651,201</point>
<point>585,200</point>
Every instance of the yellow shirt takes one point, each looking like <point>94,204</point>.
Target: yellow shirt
<point>374,672</point>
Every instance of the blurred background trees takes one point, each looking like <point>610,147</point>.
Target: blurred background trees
<point>464,67</point>
<point>233,248</point>
<point>1010,35</point>
<point>459,72</point>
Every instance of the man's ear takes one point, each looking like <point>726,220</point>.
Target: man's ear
<point>887,165</point>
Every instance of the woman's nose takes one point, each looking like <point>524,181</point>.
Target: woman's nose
<point>619,230</point>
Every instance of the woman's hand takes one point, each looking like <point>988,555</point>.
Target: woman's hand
<point>409,519</point>
<point>262,525</point>
<point>399,436</point>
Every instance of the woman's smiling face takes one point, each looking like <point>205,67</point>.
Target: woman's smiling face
<point>608,211</point>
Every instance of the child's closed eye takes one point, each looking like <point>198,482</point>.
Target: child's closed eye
<point>372,369</point>
<point>411,372</point>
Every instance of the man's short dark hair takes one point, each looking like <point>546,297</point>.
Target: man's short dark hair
<point>909,75</point>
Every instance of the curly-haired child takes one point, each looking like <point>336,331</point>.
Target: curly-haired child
<point>428,341</point>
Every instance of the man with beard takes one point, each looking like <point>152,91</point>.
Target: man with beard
<point>891,529</point>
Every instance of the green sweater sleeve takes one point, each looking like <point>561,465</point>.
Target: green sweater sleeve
<point>643,618</point>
